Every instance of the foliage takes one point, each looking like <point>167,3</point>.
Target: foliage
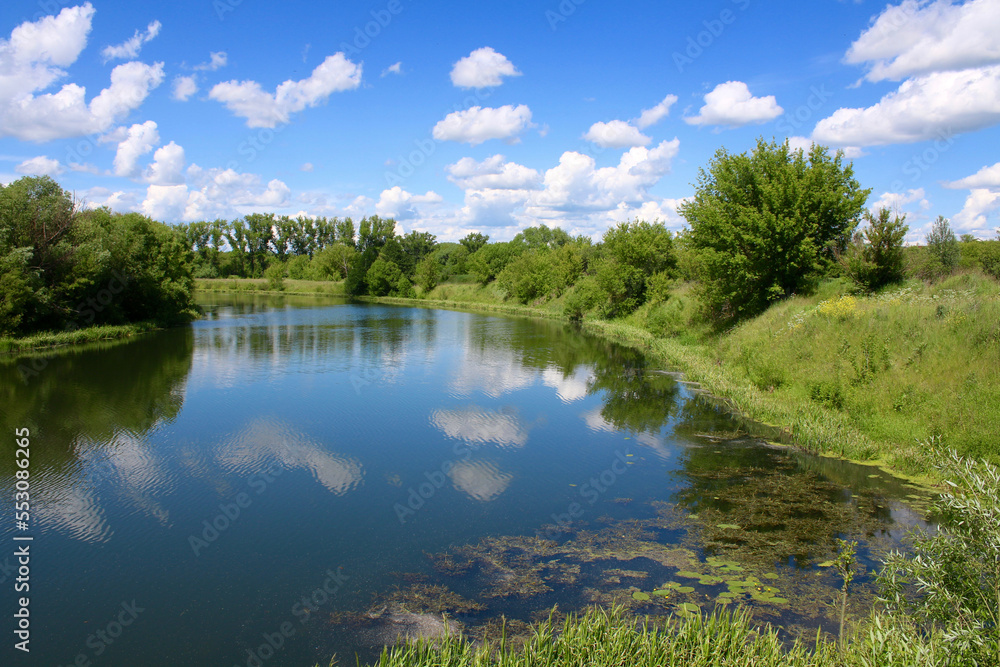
<point>474,241</point>
<point>875,257</point>
<point>383,277</point>
<point>487,262</point>
<point>943,245</point>
<point>990,258</point>
<point>275,275</point>
<point>542,238</point>
<point>768,225</point>
<point>956,572</point>
<point>428,273</point>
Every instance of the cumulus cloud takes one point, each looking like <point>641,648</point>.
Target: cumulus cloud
<point>930,106</point>
<point>216,60</point>
<point>402,205</point>
<point>921,37</point>
<point>138,140</point>
<point>654,115</point>
<point>897,201</point>
<point>478,124</point>
<point>206,194</point>
<point>973,216</point>
<point>131,47</point>
<point>40,166</point>
<point>987,177</point>
<point>306,167</point>
<point>395,68</point>
<point>805,144</point>
<point>247,99</point>
<point>492,173</point>
<point>184,87</point>
<point>616,134</point>
<point>482,68</point>
<point>32,59</point>
<point>731,104</point>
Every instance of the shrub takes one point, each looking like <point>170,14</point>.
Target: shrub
<point>955,573</point>
<point>275,275</point>
<point>875,257</point>
<point>943,245</point>
<point>383,277</point>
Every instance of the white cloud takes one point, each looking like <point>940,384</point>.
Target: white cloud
<point>616,134</point>
<point>493,173</point>
<point>306,167</point>
<point>805,144</point>
<point>731,104</point>
<point>931,106</point>
<point>922,37</point>
<point>40,166</point>
<point>897,201</point>
<point>138,140</point>
<point>479,124</point>
<point>131,47</point>
<point>482,68</point>
<point>217,60</point>
<point>167,167</point>
<point>399,204</point>
<point>184,87</point>
<point>987,177</point>
<point>165,202</point>
<point>32,58</point>
<point>973,216</point>
<point>656,114</point>
<point>246,99</point>
<point>395,68</point>
<point>66,113</point>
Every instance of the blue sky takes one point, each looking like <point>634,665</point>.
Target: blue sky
<point>494,116</point>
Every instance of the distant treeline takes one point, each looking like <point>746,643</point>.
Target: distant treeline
<point>64,269</point>
<point>762,226</point>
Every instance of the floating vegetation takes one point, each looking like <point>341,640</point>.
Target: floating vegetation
<point>639,595</point>
<point>425,598</point>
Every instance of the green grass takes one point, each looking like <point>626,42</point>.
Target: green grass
<point>87,335</point>
<point>259,285</point>
<point>723,639</point>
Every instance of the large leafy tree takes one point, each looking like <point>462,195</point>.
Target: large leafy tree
<point>769,223</point>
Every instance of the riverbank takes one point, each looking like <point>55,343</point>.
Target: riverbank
<point>78,336</point>
<point>263,286</point>
<point>887,380</point>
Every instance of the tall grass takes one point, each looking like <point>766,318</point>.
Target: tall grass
<point>263,285</point>
<point>86,335</point>
<point>608,637</point>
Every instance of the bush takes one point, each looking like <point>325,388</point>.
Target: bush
<point>383,277</point>
<point>990,258</point>
<point>943,245</point>
<point>487,262</point>
<point>428,273</point>
<point>298,267</point>
<point>875,257</point>
<point>529,276</point>
<point>275,275</point>
<point>769,224</point>
<point>955,573</point>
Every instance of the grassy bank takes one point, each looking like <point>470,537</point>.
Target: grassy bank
<point>870,378</point>
<point>260,285</point>
<point>87,335</point>
<point>723,639</point>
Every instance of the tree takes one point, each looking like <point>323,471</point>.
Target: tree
<point>374,232</point>
<point>474,241</point>
<point>259,238</point>
<point>383,277</point>
<point>875,257</point>
<point>768,224</point>
<point>345,232</point>
<point>304,240</point>
<point>332,262</point>
<point>428,273</point>
<point>416,246</point>
<point>536,238</point>
<point>943,245</point>
<point>487,262</point>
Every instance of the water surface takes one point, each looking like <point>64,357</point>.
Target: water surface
<point>315,475</point>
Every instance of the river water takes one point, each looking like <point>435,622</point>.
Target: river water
<point>292,478</point>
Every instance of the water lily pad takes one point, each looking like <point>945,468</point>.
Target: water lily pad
<point>689,607</point>
<point>687,574</point>
<point>685,589</point>
<point>727,594</point>
<point>722,600</point>
<point>777,600</point>
<point>639,595</point>
<point>671,584</point>
<point>770,575</point>
<point>709,580</point>
<point>662,591</point>
<point>826,563</point>
<point>731,526</point>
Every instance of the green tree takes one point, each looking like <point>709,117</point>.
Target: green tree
<point>542,237</point>
<point>875,257</point>
<point>375,232</point>
<point>383,277</point>
<point>943,245</point>
<point>345,232</point>
<point>428,273</point>
<point>304,240</point>
<point>259,238</point>
<point>332,262</point>
<point>487,262</point>
<point>416,246</point>
<point>768,224</point>
<point>474,241</point>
